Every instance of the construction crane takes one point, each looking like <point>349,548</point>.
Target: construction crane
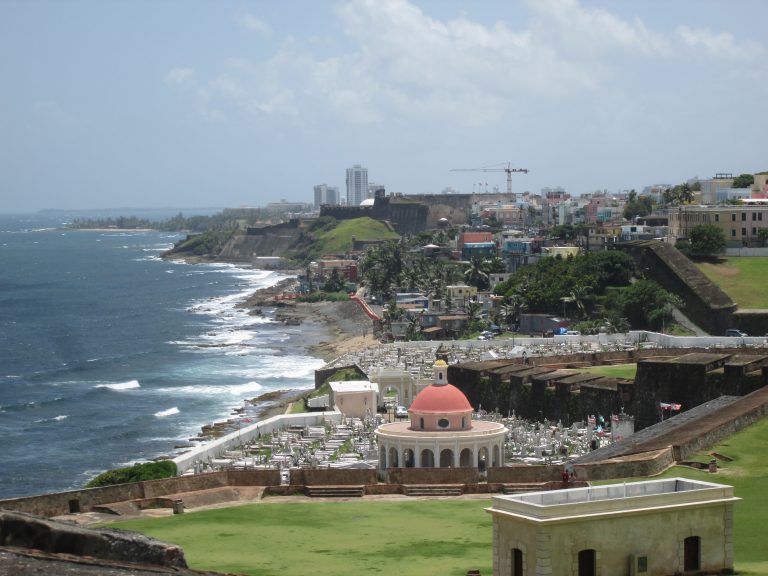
<point>508,169</point>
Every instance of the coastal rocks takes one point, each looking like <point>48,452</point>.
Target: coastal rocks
<point>21,530</point>
<point>268,296</point>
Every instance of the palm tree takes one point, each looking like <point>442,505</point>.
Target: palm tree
<point>473,309</point>
<point>579,294</point>
<point>513,308</point>
<point>414,326</point>
<point>476,274</point>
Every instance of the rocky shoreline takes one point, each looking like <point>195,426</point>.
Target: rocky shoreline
<point>330,329</point>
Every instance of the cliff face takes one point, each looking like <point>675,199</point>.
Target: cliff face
<point>245,248</point>
<point>269,241</point>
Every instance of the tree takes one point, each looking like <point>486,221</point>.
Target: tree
<point>762,236</point>
<point>680,194</point>
<point>580,293</point>
<point>743,181</point>
<point>476,274</point>
<point>335,281</point>
<point>473,309</point>
<point>637,206</point>
<point>707,240</point>
<point>643,304</point>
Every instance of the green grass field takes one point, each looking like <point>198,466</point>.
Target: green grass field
<point>419,537</point>
<point>627,371</point>
<point>408,538</point>
<point>339,240</point>
<point>742,278</point>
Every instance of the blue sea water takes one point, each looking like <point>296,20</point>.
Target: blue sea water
<point>110,355</point>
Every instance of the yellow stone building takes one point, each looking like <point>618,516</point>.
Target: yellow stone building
<point>653,528</point>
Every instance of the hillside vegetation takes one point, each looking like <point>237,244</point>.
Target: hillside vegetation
<point>742,278</point>
<point>330,236</point>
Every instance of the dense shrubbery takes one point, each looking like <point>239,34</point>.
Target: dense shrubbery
<point>135,473</point>
<point>324,297</point>
<point>577,280</point>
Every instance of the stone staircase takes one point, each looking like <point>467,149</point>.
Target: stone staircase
<point>334,491</point>
<point>525,487</point>
<point>434,490</point>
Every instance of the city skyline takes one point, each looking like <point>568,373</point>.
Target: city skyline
<point>241,103</point>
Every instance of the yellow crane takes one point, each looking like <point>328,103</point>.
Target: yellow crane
<point>503,167</point>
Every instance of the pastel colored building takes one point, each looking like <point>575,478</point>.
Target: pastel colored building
<point>440,432</point>
<point>653,528</point>
<point>354,398</point>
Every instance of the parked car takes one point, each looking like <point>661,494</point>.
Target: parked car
<point>735,333</point>
<point>401,412</point>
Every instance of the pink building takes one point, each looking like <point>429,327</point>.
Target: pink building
<point>440,432</point>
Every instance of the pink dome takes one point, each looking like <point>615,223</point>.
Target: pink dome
<point>440,399</point>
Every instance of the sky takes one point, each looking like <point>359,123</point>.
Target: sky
<point>195,103</point>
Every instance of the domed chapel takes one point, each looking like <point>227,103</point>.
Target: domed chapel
<point>440,432</point>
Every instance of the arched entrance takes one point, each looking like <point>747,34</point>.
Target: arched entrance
<point>587,562</point>
<point>390,396</point>
<point>393,458</point>
<point>446,458</point>
<point>427,458</point>
<point>409,459</point>
<point>495,459</point>
<point>482,459</point>
<point>383,458</point>
<point>465,458</point>
<point>692,553</point>
<point>517,562</point>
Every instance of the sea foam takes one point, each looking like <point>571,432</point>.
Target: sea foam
<point>169,412</point>
<point>130,385</point>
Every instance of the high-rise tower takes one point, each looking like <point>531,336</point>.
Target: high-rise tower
<point>357,185</point>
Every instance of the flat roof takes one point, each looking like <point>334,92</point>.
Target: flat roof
<point>354,386</point>
<point>611,500</point>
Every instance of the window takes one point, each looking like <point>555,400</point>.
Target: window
<point>743,231</point>
<point>733,233</point>
<point>717,217</point>
<point>733,217</point>
<point>760,216</point>
<point>754,231</point>
<point>754,216</point>
<point>443,423</point>
<point>743,216</point>
<point>421,423</point>
<point>692,553</point>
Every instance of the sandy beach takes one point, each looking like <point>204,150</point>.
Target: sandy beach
<point>346,327</point>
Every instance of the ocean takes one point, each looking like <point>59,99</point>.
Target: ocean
<point>110,355</point>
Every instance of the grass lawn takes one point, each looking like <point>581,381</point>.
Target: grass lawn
<point>407,538</point>
<point>627,371</point>
<point>420,537</point>
<point>742,278</point>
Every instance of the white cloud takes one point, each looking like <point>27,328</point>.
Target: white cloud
<point>400,65</point>
<point>254,24</point>
<point>594,30</point>
<point>179,76</point>
<point>722,45</point>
